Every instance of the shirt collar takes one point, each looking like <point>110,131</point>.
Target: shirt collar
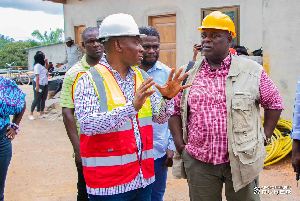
<point>104,62</point>
<point>156,66</point>
<point>225,64</point>
<point>84,62</point>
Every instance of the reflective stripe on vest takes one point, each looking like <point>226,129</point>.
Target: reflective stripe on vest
<point>147,154</point>
<point>145,121</point>
<point>109,161</point>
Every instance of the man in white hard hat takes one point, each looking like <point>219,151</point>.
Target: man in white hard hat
<point>73,54</point>
<point>115,107</point>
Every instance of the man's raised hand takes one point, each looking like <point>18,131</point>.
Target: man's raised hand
<point>172,86</point>
<point>143,93</point>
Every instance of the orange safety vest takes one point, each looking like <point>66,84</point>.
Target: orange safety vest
<point>111,158</point>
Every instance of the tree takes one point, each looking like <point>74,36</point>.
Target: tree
<point>53,37</point>
<point>4,40</point>
<point>14,52</point>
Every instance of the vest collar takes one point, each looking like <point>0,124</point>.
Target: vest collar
<point>235,68</point>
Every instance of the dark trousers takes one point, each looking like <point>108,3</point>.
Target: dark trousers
<point>38,106</point>
<point>40,97</point>
<point>161,173</point>
<point>206,181</point>
<point>141,194</point>
<point>81,187</point>
<point>5,156</point>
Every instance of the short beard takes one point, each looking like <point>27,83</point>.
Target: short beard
<point>145,63</point>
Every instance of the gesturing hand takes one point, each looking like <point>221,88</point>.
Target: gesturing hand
<point>142,93</point>
<point>172,86</point>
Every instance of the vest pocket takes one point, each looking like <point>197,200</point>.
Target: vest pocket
<point>242,108</point>
<point>245,145</point>
<point>244,133</point>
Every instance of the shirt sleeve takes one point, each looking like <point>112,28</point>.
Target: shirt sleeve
<point>270,97</point>
<point>177,104</point>
<point>296,117</point>
<point>161,108</point>
<point>79,52</point>
<point>87,109</point>
<point>66,92</point>
<point>12,100</point>
<point>66,59</point>
<point>37,69</point>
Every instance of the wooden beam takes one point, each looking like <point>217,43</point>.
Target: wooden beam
<point>58,1</point>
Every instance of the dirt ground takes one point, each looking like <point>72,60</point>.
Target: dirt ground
<point>42,167</point>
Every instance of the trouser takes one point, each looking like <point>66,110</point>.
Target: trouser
<point>38,106</point>
<point>161,173</point>
<point>5,157</point>
<point>81,187</point>
<point>40,96</point>
<point>206,180</point>
<point>141,194</point>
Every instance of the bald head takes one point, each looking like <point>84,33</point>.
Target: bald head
<point>125,49</point>
<point>88,31</point>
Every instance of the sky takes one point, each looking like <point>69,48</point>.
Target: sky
<point>19,18</point>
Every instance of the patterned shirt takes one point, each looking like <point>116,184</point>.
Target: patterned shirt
<point>12,100</point>
<point>207,124</point>
<point>66,92</point>
<point>92,121</point>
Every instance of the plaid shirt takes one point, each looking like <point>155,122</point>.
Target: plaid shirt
<point>92,121</point>
<point>207,124</point>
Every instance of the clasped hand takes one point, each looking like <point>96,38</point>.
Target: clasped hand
<point>170,89</point>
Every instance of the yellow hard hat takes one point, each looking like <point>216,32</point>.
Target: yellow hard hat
<point>218,20</point>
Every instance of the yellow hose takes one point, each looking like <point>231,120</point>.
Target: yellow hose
<point>280,145</point>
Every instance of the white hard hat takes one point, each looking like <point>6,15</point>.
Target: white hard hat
<point>118,25</point>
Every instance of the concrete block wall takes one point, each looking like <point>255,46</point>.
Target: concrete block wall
<point>281,27</point>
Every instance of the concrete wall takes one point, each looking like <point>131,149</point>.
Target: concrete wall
<point>188,14</point>
<point>55,53</point>
<point>281,27</point>
<point>270,24</point>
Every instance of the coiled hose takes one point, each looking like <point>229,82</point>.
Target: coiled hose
<point>281,142</point>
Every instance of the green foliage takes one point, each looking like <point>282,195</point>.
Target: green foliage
<point>4,40</point>
<point>53,37</point>
<point>13,52</point>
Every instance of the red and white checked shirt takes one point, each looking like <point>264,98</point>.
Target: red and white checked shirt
<point>207,123</point>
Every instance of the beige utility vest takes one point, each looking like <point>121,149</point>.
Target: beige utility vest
<point>244,129</point>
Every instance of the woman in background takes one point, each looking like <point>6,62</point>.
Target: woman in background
<point>41,85</point>
<point>12,102</point>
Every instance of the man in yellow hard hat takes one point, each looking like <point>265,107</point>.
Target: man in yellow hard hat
<point>216,123</point>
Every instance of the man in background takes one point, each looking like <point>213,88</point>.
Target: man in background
<point>163,145</point>
<point>94,52</point>
<point>73,54</point>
